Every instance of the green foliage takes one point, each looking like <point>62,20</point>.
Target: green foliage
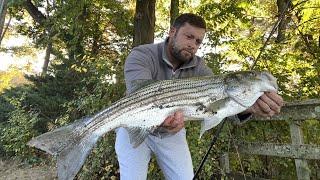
<point>6,106</point>
<point>198,148</point>
<point>18,130</point>
<point>102,162</point>
<point>11,78</point>
<point>21,120</point>
<point>263,166</point>
<point>90,41</point>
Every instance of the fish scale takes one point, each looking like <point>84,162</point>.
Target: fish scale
<point>178,89</point>
<point>208,99</point>
<point>182,97</point>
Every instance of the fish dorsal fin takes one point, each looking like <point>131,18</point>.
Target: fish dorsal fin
<point>140,83</point>
<point>137,135</point>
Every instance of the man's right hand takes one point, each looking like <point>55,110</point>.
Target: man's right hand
<point>174,123</point>
<point>268,105</point>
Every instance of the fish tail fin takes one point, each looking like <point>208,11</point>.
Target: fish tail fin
<point>71,159</point>
<point>55,141</point>
<point>70,147</point>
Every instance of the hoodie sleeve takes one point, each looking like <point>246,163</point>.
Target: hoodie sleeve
<point>203,69</point>
<point>137,67</point>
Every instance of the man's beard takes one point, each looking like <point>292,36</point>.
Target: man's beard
<point>177,53</point>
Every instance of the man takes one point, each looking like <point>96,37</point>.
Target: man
<point>173,58</point>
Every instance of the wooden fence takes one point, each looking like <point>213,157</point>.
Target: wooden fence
<point>293,113</point>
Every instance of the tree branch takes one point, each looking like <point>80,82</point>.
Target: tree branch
<point>34,12</point>
<point>6,28</point>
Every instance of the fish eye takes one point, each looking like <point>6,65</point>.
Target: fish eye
<point>238,76</point>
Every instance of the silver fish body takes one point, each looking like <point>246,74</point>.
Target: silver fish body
<point>209,99</point>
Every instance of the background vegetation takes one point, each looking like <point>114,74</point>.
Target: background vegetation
<point>86,43</point>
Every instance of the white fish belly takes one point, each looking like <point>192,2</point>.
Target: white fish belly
<point>146,118</point>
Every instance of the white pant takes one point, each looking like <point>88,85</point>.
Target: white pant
<point>172,153</point>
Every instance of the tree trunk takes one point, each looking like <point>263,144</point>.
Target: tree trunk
<point>283,6</point>
<point>3,12</point>
<point>144,22</point>
<point>46,59</point>
<point>174,10</point>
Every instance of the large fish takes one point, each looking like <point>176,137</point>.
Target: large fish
<point>210,98</point>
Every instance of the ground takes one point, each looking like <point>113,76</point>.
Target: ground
<point>15,170</point>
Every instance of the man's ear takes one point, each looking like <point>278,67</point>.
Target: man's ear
<point>172,31</point>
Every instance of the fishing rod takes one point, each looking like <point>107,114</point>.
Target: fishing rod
<point>282,15</point>
<point>214,140</point>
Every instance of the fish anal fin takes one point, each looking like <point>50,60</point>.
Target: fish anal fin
<point>161,132</point>
<point>137,135</point>
<point>209,123</point>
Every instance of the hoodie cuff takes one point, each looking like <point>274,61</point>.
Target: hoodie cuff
<point>240,118</point>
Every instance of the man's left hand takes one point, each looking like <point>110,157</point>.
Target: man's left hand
<point>267,105</point>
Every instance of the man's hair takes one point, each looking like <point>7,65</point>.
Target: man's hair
<point>190,18</point>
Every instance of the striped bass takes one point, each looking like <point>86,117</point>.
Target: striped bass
<point>209,99</point>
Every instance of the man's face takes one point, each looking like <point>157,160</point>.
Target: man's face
<point>185,42</point>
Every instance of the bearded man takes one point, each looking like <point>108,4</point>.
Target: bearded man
<point>173,58</point>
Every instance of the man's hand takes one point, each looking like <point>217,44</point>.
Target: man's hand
<point>174,123</point>
<point>267,105</point>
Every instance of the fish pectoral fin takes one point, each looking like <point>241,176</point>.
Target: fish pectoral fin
<point>209,123</point>
<point>212,116</point>
<point>214,107</point>
<point>137,135</point>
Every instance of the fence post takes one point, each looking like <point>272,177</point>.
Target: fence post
<point>224,163</point>
<point>303,172</point>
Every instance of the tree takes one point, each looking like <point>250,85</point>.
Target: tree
<point>174,10</point>
<point>283,7</point>
<point>144,22</point>
<point>3,12</point>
